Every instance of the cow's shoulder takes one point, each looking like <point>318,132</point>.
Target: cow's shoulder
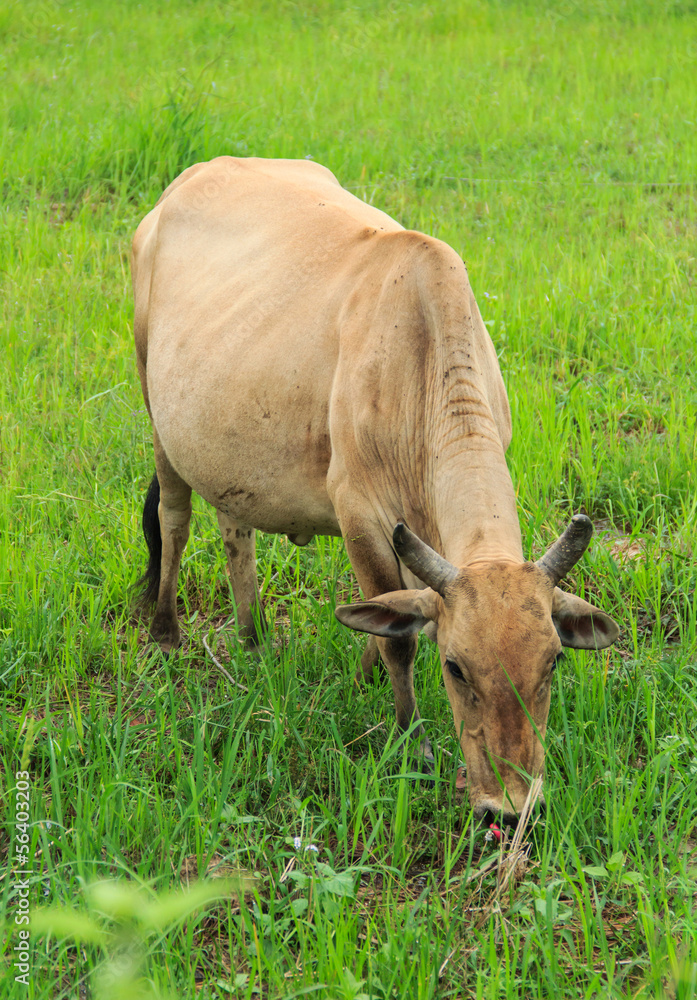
<point>411,296</point>
<point>427,277</point>
<point>428,260</point>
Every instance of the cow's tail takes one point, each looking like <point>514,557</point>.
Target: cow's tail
<point>150,580</point>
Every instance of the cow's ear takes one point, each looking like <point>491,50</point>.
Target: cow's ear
<point>392,616</point>
<point>580,624</point>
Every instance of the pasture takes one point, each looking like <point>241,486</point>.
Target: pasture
<point>554,146</point>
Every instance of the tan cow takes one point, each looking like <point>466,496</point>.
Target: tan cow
<point>310,367</point>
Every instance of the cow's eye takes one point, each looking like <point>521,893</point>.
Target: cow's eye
<point>556,661</point>
<point>454,669</point>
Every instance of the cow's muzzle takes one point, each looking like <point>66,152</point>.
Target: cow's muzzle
<point>489,810</point>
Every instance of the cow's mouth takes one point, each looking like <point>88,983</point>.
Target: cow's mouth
<point>489,817</point>
<point>487,813</point>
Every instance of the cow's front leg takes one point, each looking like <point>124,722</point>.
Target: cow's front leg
<point>240,549</point>
<point>398,657</point>
<point>377,571</point>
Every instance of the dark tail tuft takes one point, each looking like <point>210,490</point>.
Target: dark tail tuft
<point>150,580</point>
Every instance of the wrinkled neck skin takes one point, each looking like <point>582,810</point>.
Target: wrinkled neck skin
<point>476,508</point>
<point>471,516</point>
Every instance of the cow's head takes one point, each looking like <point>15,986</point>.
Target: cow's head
<point>500,631</point>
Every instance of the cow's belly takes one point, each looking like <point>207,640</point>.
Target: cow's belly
<point>247,427</point>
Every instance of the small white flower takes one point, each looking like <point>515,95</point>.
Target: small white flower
<point>298,845</point>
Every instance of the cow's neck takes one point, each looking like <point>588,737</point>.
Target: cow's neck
<point>475,506</point>
<point>473,499</point>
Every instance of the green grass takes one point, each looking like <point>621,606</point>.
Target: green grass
<point>554,145</point>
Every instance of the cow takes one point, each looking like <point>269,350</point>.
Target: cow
<point>311,367</point>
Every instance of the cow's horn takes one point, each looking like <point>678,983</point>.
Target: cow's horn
<point>435,571</point>
<point>568,548</point>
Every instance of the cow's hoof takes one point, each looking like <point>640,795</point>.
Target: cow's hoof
<point>167,639</point>
<point>167,648</point>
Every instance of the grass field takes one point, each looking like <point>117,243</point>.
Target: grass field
<point>554,145</point>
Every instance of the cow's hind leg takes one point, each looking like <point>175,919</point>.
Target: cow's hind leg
<point>166,518</point>
<point>240,549</point>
